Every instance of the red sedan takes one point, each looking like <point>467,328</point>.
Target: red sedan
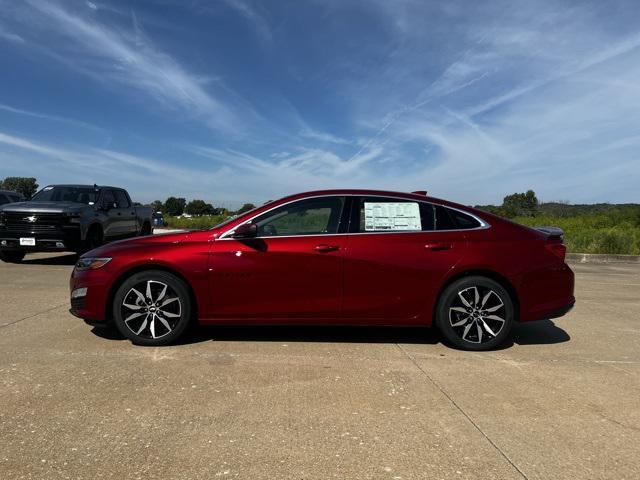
<point>347,257</point>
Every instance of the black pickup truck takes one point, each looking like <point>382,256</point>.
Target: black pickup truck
<point>70,217</point>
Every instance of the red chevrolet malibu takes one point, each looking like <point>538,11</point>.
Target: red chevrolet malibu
<point>347,257</point>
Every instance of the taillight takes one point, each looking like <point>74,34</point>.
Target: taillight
<point>558,249</point>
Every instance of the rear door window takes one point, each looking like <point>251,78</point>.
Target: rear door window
<point>388,214</point>
<point>3,199</point>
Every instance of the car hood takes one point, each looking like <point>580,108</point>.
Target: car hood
<point>141,242</point>
<point>44,207</point>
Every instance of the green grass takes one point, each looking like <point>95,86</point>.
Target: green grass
<point>194,223</point>
<point>614,231</point>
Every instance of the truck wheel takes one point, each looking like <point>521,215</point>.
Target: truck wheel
<point>146,230</point>
<point>93,240</point>
<point>12,256</point>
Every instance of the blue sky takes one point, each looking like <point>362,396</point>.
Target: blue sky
<point>235,100</point>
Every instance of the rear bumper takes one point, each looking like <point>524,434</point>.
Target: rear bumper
<point>562,311</point>
<point>547,293</point>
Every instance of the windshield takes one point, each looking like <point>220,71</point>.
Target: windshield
<point>233,217</point>
<point>86,195</point>
<point>224,222</point>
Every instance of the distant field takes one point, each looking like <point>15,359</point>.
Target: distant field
<point>588,228</point>
<point>195,223</point>
<point>599,233</point>
<point>598,228</point>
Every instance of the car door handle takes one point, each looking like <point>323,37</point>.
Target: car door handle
<point>323,247</point>
<point>437,246</point>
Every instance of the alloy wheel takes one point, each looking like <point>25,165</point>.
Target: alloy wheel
<point>151,309</point>
<point>477,314</point>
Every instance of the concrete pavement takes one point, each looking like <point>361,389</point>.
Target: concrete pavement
<point>562,400</point>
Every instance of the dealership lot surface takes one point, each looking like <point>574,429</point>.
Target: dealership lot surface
<point>561,401</point>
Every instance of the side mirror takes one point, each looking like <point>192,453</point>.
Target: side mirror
<point>246,230</point>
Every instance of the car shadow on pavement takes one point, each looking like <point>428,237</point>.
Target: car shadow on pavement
<point>543,332</point>
<point>67,259</point>
<point>294,333</point>
<point>321,334</point>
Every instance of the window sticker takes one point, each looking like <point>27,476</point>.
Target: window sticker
<point>391,216</point>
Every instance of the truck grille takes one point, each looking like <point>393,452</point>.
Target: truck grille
<point>32,222</point>
<point>31,227</point>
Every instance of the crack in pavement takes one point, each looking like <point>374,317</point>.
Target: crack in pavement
<point>459,408</point>
<point>34,315</point>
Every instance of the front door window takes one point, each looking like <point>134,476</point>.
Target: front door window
<point>314,216</point>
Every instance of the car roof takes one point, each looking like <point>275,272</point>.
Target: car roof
<point>385,193</point>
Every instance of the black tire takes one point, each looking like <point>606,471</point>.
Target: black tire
<point>94,240</point>
<point>469,310</point>
<point>152,322</point>
<point>12,256</point>
<point>146,230</point>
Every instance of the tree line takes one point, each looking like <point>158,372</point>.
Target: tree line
<point>176,206</point>
<point>26,186</point>
<point>515,205</point>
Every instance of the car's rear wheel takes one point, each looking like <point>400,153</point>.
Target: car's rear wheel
<point>475,313</point>
<point>152,308</point>
<point>12,256</point>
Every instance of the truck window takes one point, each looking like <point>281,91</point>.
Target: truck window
<point>121,199</point>
<point>108,199</point>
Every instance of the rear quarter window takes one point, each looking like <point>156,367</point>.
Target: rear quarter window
<point>450,219</point>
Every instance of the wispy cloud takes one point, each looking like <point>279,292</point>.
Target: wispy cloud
<point>252,15</point>
<point>469,100</point>
<point>134,60</point>
<point>44,116</point>
<point>324,137</point>
<point>10,36</point>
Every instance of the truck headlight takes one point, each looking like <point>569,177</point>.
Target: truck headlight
<point>73,217</point>
<point>92,263</point>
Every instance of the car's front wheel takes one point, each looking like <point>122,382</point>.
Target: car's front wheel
<point>475,313</point>
<point>152,308</point>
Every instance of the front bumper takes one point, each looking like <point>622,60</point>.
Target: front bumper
<point>93,305</point>
<point>67,237</point>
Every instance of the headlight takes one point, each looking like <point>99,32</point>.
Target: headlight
<point>92,263</point>
<point>73,217</point>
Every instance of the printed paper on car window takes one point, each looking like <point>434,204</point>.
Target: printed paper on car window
<point>391,216</point>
